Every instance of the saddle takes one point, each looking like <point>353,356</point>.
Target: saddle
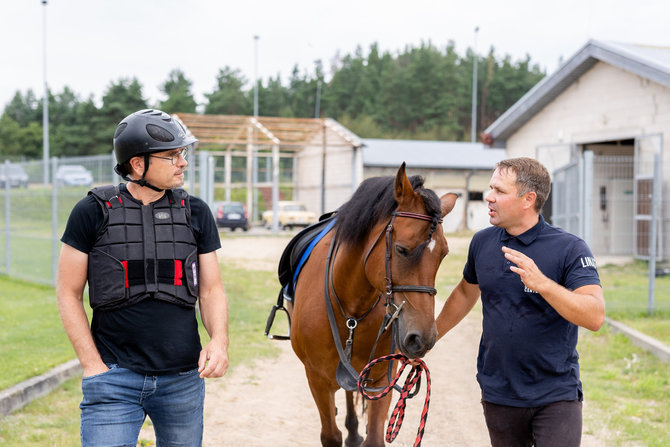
<point>292,260</point>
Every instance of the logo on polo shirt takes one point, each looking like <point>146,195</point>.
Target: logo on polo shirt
<point>527,290</point>
<point>588,261</point>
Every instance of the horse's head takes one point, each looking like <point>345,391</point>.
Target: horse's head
<point>413,249</point>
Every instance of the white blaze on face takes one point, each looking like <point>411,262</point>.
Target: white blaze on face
<point>431,245</point>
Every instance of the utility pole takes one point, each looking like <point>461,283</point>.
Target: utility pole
<point>45,101</point>
<point>473,132</point>
<point>317,107</point>
<point>254,194</point>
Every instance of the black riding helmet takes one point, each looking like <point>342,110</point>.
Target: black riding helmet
<point>143,133</point>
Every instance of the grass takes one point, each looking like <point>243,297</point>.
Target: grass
<point>32,339</point>
<point>626,389</point>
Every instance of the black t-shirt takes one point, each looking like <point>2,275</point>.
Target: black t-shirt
<point>153,336</point>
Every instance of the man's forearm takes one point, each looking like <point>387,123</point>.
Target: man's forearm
<point>76,326</point>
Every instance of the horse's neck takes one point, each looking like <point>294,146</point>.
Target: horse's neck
<point>355,292</point>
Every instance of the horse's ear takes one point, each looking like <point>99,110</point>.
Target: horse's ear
<point>448,201</point>
<point>403,188</point>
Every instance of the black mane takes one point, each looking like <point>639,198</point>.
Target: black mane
<point>373,201</point>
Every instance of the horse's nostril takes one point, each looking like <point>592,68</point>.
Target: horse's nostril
<point>414,342</point>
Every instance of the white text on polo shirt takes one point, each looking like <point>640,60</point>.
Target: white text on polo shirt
<point>588,262</point>
<point>527,290</point>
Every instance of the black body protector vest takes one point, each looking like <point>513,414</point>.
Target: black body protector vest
<point>143,251</point>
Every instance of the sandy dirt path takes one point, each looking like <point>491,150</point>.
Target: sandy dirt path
<point>270,405</point>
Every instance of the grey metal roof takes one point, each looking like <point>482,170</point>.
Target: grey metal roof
<point>429,154</point>
<point>649,62</point>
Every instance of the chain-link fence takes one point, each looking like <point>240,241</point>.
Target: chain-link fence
<point>34,212</point>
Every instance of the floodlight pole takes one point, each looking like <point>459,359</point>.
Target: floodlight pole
<point>473,131</point>
<point>45,101</point>
<point>256,37</point>
<point>254,189</point>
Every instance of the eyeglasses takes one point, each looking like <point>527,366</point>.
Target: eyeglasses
<point>182,152</point>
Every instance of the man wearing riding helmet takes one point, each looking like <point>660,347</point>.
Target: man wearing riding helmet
<point>148,252</point>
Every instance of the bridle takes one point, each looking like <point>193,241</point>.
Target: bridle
<point>346,375</point>
<point>390,288</point>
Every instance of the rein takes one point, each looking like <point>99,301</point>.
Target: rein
<point>408,390</point>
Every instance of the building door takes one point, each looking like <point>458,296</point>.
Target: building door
<point>646,149</point>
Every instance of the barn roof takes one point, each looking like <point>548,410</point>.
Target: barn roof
<point>429,154</point>
<point>646,61</point>
<point>289,133</point>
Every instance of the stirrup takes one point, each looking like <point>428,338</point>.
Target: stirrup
<point>271,319</point>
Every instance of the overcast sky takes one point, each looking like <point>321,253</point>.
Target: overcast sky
<point>91,43</point>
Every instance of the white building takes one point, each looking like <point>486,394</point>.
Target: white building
<point>597,123</point>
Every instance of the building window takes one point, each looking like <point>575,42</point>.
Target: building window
<point>475,195</point>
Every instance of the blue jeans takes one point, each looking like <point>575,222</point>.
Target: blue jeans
<point>117,401</point>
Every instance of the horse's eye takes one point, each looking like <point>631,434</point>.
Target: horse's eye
<point>402,251</point>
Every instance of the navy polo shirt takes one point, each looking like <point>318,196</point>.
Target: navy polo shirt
<point>528,352</point>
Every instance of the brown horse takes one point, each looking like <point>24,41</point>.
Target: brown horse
<point>380,258</point>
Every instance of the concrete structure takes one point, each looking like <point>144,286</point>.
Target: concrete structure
<point>611,101</point>
<point>462,168</point>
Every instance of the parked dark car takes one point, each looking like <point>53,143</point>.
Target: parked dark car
<point>231,215</point>
<point>17,176</point>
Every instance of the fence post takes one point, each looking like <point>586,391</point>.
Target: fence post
<point>210,180</point>
<point>8,221</point>
<point>54,220</point>
<point>587,198</point>
<point>653,230</point>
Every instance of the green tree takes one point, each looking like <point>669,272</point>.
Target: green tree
<point>24,108</point>
<point>178,91</point>
<point>273,100</point>
<point>17,142</point>
<point>228,97</point>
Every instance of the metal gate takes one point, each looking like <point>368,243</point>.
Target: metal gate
<point>647,195</point>
<point>571,208</point>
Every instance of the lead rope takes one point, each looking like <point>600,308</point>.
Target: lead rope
<point>413,380</point>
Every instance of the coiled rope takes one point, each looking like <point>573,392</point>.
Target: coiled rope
<point>407,391</point>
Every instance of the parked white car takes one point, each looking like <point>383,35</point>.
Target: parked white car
<point>73,175</point>
<point>291,214</point>
<point>16,174</point>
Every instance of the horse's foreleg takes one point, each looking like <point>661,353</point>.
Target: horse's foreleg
<point>351,422</point>
<point>377,412</point>
<point>324,398</point>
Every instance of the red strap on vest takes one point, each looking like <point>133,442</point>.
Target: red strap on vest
<point>178,272</point>
<point>125,270</point>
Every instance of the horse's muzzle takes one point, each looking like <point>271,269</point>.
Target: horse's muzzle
<point>414,345</point>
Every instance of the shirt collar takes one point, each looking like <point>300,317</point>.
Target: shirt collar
<point>528,236</point>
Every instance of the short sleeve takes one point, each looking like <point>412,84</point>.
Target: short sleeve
<point>83,224</point>
<point>204,226</point>
<point>580,266</point>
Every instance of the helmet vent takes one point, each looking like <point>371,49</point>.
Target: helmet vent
<point>121,127</point>
<point>159,134</point>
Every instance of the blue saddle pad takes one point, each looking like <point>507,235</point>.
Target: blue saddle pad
<point>298,251</point>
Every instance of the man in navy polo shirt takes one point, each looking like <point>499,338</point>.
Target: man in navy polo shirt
<point>538,283</point>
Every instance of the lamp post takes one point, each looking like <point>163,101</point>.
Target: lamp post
<point>473,132</point>
<point>256,75</point>
<point>254,193</point>
<point>45,100</point>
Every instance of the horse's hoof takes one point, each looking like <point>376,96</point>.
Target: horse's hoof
<point>356,442</point>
